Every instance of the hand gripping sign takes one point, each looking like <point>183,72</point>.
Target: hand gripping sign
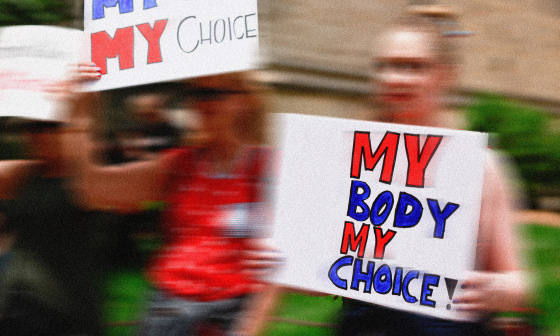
<point>382,213</point>
<point>145,41</point>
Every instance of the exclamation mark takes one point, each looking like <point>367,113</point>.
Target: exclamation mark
<point>450,284</point>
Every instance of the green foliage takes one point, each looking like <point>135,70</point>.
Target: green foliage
<point>523,133</point>
<point>320,311</point>
<point>542,244</point>
<point>31,12</point>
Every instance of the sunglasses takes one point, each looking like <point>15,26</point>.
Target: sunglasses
<point>411,67</point>
<point>37,126</point>
<point>207,93</point>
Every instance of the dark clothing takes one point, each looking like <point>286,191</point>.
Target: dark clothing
<point>31,298</point>
<point>364,319</point>
<point>62,236</point>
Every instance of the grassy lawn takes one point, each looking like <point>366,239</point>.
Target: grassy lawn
<point>320,311</point>
<point>126,293</point>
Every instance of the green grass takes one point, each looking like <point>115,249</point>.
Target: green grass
<point>543,258</point>
<point>320,310</point>
<point>126,292</point>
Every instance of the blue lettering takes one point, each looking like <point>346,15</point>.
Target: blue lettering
<point>407,279</point>
<point>441,216</point>
<point>125,6</point>
<point>381,208</point>
<point>429,281</point>
<point>382,279</point>
<point>405,218</point>
<point>149,4</point>
<point>397,281</point>
<point>359,276</point>
<point>333,272</point>
<point>357,201</point>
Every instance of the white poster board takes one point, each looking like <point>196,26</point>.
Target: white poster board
<point>32,60</point>
<point>378,229</point>
<point>146,41</point>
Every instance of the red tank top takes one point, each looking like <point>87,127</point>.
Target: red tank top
<point>208,227</point>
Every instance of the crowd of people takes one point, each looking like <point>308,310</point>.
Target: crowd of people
<point>209,277</point>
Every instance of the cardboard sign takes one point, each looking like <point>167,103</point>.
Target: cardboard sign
<point>32,60</point>
<point>145,41</point>
<point>382,213</point>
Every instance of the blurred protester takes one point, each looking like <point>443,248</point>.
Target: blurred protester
<point>38,205</point>
<point>205,276</point>
<point>414,68</point>
<point>32,301</point>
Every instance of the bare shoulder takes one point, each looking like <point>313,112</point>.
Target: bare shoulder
<point>501,174</point>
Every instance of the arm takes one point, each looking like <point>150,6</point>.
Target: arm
<point>258,311</point>
<point>497,247</point>
<point>500,285</point>
<point>13,174</point>
<point>118,187</point>
<point>122,187</point>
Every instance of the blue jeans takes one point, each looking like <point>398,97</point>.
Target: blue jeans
<point>174,316</point>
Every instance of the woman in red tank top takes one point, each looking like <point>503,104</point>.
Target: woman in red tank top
<point>215,215</point>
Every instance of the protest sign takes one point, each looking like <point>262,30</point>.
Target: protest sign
<point>146,41</point>
<point>378,212</point>
<point>32,60</point>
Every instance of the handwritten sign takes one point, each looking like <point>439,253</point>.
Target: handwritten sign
<point>382,213</point>
<point>145,41</point>
<point>32,60</point>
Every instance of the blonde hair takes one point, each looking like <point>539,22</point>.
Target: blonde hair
<point>440,22</point>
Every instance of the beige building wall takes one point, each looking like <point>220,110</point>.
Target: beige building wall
<point>516,48</point>
<point>316,51</point>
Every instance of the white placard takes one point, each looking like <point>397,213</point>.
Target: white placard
<point>378,212</point>
<point>145,41</point>
<point>32,60</point>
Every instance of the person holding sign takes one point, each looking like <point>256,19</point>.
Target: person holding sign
<point>414,68</point>
<point>206,275</point>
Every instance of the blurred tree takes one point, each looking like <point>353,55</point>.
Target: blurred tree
<point>32,12</point>
<point>523,133</point>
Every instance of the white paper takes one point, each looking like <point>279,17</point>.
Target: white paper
<point>32,60</point>
<point>169,40</point>
<point>312,207</point>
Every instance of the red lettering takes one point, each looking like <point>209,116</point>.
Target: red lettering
<point>356,242</point>
<point>381,241</point>
<point>362,148</point>
<point>122,45</point>
<point>417,163</point>
<point>153,36</point>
